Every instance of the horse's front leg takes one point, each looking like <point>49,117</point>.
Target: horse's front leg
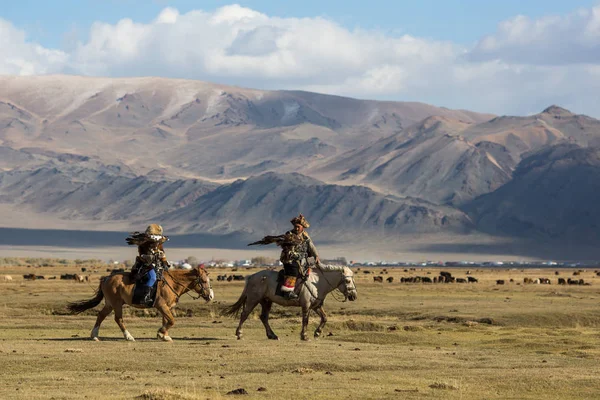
<point>319,310</point>
<point>305,314</point>
<point>119,320</point>
<point>168,321</point>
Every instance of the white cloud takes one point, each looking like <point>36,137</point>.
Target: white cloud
<point>525,65</point>
<point>552,40</point>
<point>18,57</point>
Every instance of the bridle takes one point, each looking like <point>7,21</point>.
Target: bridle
<point>197,283</point>
<point>346,290</point>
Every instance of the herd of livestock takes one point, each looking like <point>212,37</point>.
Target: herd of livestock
<point>443,277</point>
<point>446,277</point>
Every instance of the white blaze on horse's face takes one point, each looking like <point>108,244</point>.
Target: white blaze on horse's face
<point>204,287</point>
<point>348,287</point>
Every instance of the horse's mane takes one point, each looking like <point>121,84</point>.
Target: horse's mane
<point>182,272</point>
<point>329,267</point>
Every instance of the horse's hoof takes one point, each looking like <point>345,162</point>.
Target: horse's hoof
<point>130,339</point>
<point>305,338</point>
<point>163,337</point>
<point>95,338</point>
<point>272,337</point>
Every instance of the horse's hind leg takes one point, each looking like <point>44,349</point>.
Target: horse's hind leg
<point>264,317</point>
<point>305,314</point>
<point>321,313</point>
<point>119,321</point>
<point>248,307</point>
<point>101,316</point>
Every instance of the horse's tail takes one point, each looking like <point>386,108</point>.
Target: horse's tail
<point>234,309</point>
<point>77,307</point>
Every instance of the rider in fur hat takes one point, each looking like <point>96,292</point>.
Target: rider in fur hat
<point>296,247</point>
<point>151,255</point>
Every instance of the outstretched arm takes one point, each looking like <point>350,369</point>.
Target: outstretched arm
<point>267,240</point>
<point>281,240</point>
<point>312,251</point>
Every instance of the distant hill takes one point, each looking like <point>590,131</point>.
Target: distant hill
<point>209,159</point>
<point>90,190</point>
<point>428,160</point>
<point>554,193</point>
<point>264,205</point>
<point>192,127</point>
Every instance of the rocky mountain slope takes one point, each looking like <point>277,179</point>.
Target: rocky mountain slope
<point>554,193</point>
<point>209,158</point>
<point>429,160</point>
<point>192,127</point>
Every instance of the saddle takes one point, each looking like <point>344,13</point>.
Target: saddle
<point>281,277</point>
<point>139,291</point>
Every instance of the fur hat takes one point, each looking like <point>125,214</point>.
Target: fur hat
<point>154,229</point>
<point>300,220</point>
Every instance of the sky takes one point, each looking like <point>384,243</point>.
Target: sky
<point>504,57</point>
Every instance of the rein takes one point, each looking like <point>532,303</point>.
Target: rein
<point>196,283</point>
<point>335,288</point>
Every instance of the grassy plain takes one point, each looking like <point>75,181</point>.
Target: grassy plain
<point>398,340</point>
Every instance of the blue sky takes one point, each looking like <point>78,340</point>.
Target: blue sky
<point>504,57</point>
<point>461,21</point>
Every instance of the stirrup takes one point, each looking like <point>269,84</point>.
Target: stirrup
<point>291,295</point>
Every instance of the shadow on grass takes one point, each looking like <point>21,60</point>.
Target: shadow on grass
<point>121,339</point>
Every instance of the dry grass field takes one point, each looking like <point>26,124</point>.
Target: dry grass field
<point>398,340</point>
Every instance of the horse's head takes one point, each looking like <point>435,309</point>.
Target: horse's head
<point>347,285</point>
<point>203,286</point>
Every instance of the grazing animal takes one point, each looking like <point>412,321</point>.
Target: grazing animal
<point>29,277</point>
<point>117,290</point>
<point>261,286</point>
<point>461,280</point>
<point>426,279</point>
<point>79,278</point>
<point>390,279</point>
<point>377,279</point>
<point>472,279</point>
<point>500,282</point>
<point>7,278</point>
<point>562,281</point>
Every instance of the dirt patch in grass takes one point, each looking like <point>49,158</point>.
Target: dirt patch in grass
<point>359,326</point>
<point>164,394</point>
<point>443,386</point>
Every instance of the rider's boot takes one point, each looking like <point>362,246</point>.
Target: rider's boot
<point>147,299</point>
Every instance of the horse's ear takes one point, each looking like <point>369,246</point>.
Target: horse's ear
<point>201,268</point>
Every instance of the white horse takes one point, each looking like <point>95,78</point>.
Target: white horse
<point>261,287</point>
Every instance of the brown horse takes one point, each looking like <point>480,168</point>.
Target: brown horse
<point>117,290</point>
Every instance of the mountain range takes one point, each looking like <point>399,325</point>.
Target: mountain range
<point>207,158</point>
